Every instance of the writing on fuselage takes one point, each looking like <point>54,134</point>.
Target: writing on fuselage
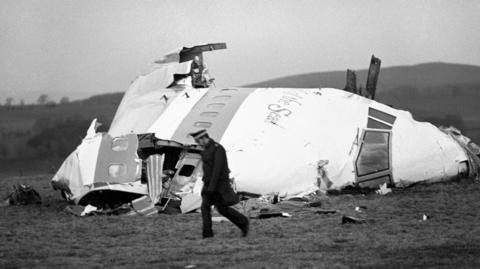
<point>285,106</point>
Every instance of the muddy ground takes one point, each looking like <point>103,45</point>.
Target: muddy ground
<point>394,236</point>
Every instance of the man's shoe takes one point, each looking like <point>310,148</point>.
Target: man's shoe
<point>207,235</point>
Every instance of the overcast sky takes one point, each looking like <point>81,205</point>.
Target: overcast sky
<point>80,48</point>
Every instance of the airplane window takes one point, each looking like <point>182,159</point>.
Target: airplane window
<point>375,124</point>
<point>374,153</point>
<point>222,97</point>
<point>226,90</point>
<point>186,170</point>
<point>209,114</point>
<point>202,124</point>
<point>117,170</point>
<point>120,144</point>
<point>381,115</point>
<point>215,105</point>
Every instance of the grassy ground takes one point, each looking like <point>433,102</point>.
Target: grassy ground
<point>45,236</point>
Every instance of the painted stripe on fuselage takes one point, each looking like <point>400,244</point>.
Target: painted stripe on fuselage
<point>173,115</point>
<point>213,112</point>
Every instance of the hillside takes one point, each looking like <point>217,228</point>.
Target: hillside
<point>43,135</point>
<point>421,76</point>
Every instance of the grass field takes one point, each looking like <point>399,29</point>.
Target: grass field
<point>394,236</point>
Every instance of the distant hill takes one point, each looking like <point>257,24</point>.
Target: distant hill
<point>421,76</point>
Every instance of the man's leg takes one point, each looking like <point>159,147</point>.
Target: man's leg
<point>234,216</point>
<point>206,217</point>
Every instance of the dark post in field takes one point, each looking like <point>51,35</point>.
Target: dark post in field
<point>351,83</point>
<point>372,77</point>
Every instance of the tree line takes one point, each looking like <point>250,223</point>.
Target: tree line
<point>42,100</point>
<point>47,139</point>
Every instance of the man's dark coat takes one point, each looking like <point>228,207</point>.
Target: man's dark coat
<point>215,173</point>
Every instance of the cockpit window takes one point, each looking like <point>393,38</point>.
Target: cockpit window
<point>375,124</point>
<point>379,120</point>
<point>372,112</point>
<point>374,153</point>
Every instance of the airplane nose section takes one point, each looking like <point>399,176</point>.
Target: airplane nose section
<point>422,152</point>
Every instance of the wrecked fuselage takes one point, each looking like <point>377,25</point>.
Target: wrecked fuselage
<point>288,141</point>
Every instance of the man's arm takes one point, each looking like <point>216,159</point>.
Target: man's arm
<point>218,162</point>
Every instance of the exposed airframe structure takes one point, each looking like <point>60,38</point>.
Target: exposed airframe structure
<point>282,140</point>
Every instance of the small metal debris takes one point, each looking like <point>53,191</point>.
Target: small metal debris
<point>350,219</point>
<point>314,204</point>
<point>326,211</point>
<point>274,215</point>
<point>384,189</point>
<point>425,217</point>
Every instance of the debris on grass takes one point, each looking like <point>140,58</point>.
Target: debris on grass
<point>144,206</point>
<point>384,190</point>
<point>314,204</point>
<point>350,219</point>
<point>425,217</point>
<point>89,209</point>
<point>268,215</point>
<point>326,211</point>
<point>219,219</point>
<point>22,194</point>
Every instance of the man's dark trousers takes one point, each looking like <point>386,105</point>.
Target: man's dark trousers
<point>231,214</point>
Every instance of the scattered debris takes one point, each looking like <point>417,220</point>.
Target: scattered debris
<point>219,219</point>
<point>326,211</point>
<point>143,206</point>
<point>425,217</point>
<point>22,194</point>
<point>273,215</point>
<point>88,210</point>
<point>359,208</point>
<point>384,189</point>
<point>314,204</point>
<point>350,219</point>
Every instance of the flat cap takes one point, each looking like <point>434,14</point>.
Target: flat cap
<point>198,134</point>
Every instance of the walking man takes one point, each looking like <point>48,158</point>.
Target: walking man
<point>217,190</point>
